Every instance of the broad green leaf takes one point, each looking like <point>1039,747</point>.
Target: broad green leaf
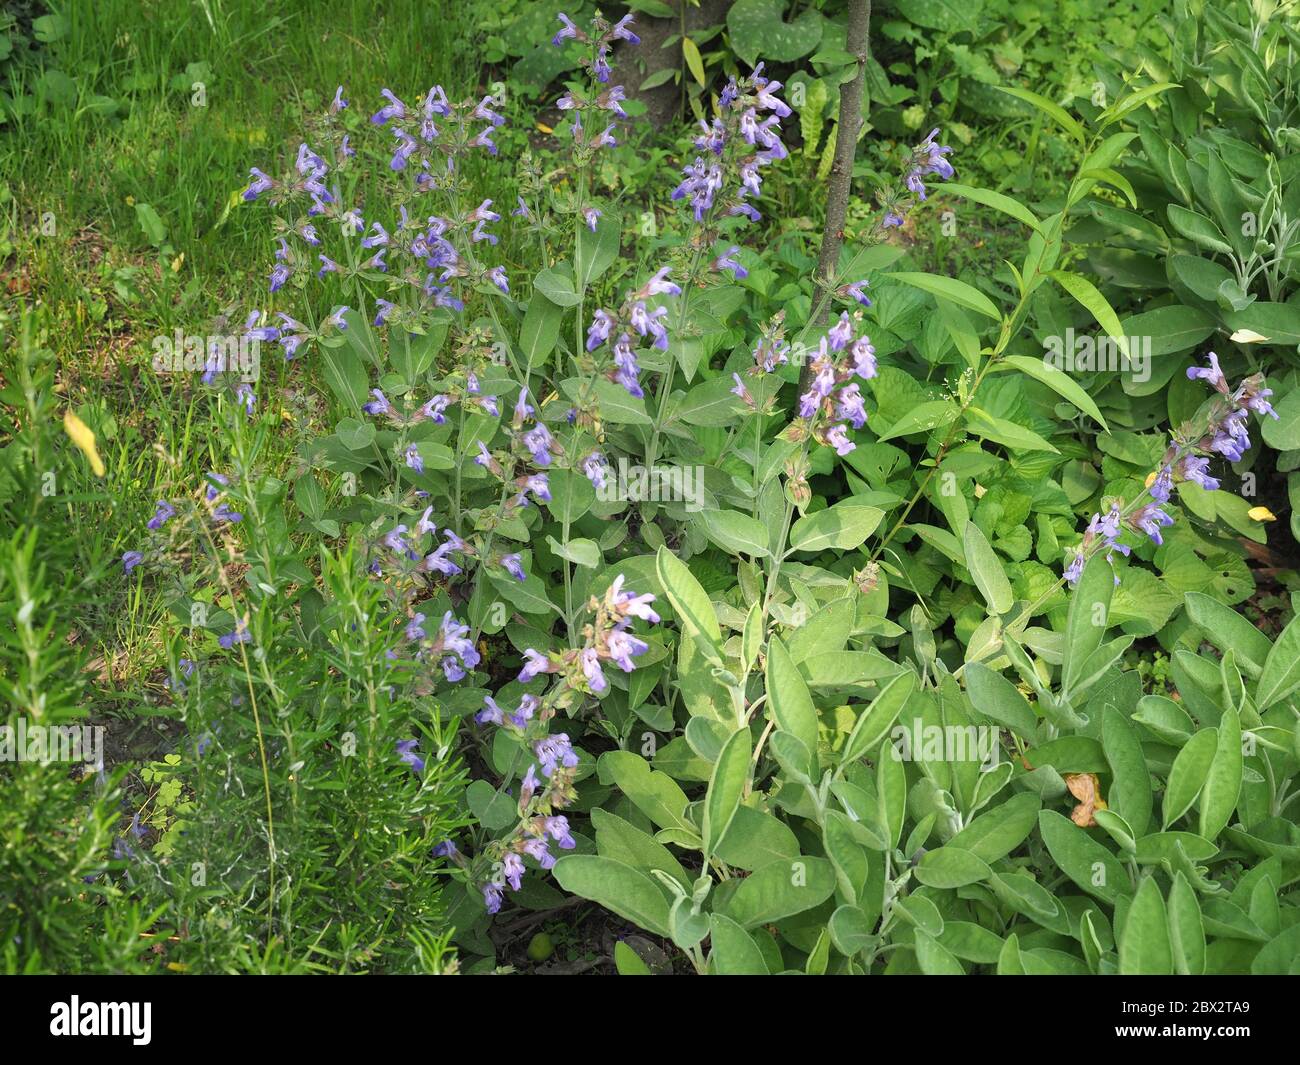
<point>951,867</point>
<point>1144,948</point>
<point>996,200</point>
<point>987,571</point>
<point>733,951</point>
<point>1060,382</point>
<point>1096,304</point>
<point>1054,110</point>
<point>998,699</point>
<point>734,532</point>
<point>1187,774</point>
<point>726,787</point>
<point>1186,929</point>
<point>781,889</point>
<point>1089,615</point>
<point>878,718</point>
<point>949,288</point>
<point>1130,790</point>
<point>997,832</point>
<point>1223,780</point>
<point>618,887</point>
<point>1082,858</point>
<point>843,527</point>
<point>688,598</point>
<point>1281,674</point>
<point>789,702</point>
<point>1227,630</point>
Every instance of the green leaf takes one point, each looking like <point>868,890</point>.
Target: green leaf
<point>691,53</point>
<point>789,702</point>
<point>1186,929</point>
<point>1223,779</point>
<point>726,787</point>
<point>540,329</point>
<point>710,403</point>
<point>997,832</point>
<point>987,571</point>
<point>1088,295</point>
<point>1089,615</point>
<point>1080,857</point>
<point>891,792</point>
<point>934,958</point>
<point>688,598</point>
<point>1144,948</point>
<point>733,951</point>
<point>996,200</point>
<point>655,794</point>
<point>1281,674</point>
<point>874,723</point>
<point>781,889</point>
<point>1130,791</point>
<point>951,867</point>
<point>998,699</point>
<point>1061,383</point>
<point>1055,111</point>
<point>628,962</point>
<point>596,251</point>
<point>1004,432</point>
<point>758,31</point>
<point>1227,630</point>
<point>923,418</point>
<point>618,887</point>
<point>949,288</point>
<point>1187,774</point>
<point>844,526</point>
<point>734,532</point>
<point>1199,228</point>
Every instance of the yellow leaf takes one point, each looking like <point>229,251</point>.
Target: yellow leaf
<point>1261,514</point>
<point>544,127</point>
<point>81,435</point>
<point>693,60</point>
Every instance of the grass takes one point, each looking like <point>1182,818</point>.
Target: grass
<point>103,285</point>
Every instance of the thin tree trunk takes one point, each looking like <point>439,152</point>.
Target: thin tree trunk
<point>841,177</point>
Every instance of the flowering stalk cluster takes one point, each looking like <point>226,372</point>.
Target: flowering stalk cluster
<point>548,783</point>
<point>834,398</point>
<point>1222,431</point>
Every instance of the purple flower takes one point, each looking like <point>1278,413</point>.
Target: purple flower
<point>855,291</point>
<point>406,752</point>
<point>130,560</point>
<point>848,406</point>
<point>260,184</point>
<point>514,567</point>
<point>568,32</point>
<point>536,848</point>
<point>394,109</point>
<point>534,663</point>
<point>1196,470</point>
<point>415,628</point>
<point>378,405</point>
<point>445,849</point>
<point>553,752</point>
<point>595,469</point>
<point>512,868</point>
<point>727,261</point>
<point>492,897</point>
<point>590,215</point>
<point>413,459</point>
<point>538,441</point>
<point>163,513</point>
<point>1149,519</point>
<point>621,32</point>
<point>237,635</point>
<point>590,661</point>
<point>1212,374</point>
